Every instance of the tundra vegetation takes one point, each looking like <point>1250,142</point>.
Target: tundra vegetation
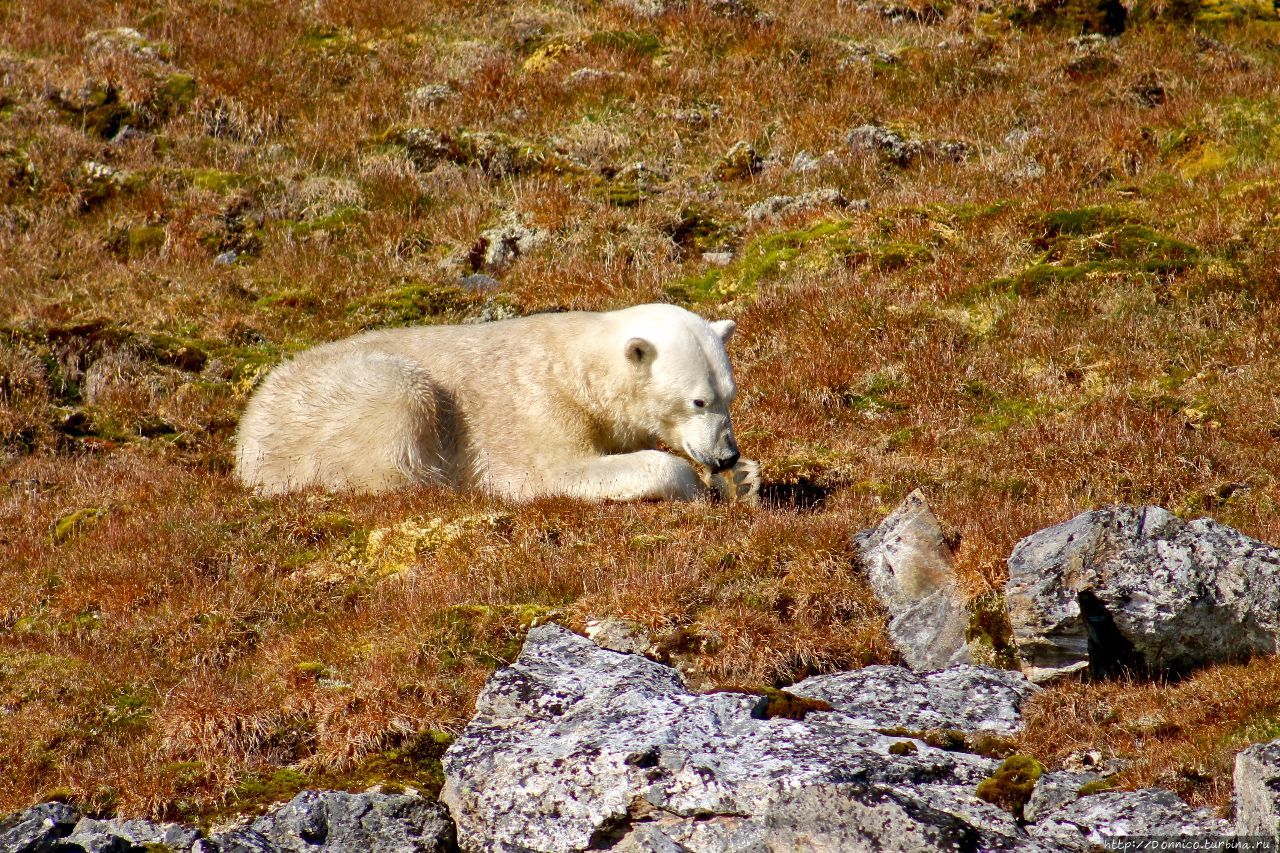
<point>1061,293</point>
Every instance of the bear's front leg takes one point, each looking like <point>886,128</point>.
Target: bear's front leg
<point>645,474</point>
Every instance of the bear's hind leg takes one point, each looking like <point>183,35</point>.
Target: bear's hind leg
<point>359,420</point>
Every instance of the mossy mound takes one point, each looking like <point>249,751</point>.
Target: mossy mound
<point>1011,785</point>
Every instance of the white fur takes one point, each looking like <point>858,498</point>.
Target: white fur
<point>553,404</point>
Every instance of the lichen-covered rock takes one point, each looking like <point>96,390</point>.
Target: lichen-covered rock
<point>37,828</point>
<point>1257,780</point>
<point>1087,823</point>
<point>786,205</point>
<point>1055,790</point>
<point>911,569</point>
<point>893,147</point>
<point>970,699</point>
<point>336,821</point>
<point>60,828</point>
<point>574,747</point>
<point>1138,588</point>
<point>500,245</point>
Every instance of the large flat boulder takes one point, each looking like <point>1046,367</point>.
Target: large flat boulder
<point>574,747</point>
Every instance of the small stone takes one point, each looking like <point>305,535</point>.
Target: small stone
<point>718,259</point>
<point>226,258</point>
<point>38,828</point>
<point>121,40</point>
<point>805,162</point>
<point>431,94</point>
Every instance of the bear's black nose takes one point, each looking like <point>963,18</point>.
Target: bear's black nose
<point>727,462</point>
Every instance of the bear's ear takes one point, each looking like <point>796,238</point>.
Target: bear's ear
<point>640,352</point>
<point>725,329</point>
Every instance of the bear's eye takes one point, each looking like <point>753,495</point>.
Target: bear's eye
<point>699,404</point>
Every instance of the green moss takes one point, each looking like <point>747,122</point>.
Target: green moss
<point>414,304</point>
<point>174,94</point>
<point>897,255</point>
<point>703,287</point>
<point>1081,221</point>
<point>215,180</point>
<point>903,747</point>
<point>73,524</point>
<point>1011,785</point>
<point>336,221</point>
<point>310,671</point>
<point>490,635</point>
<point>990,634</point>
<point>415,761</point>
<point>1230,11</point>
<point>142,240</point>
<point>1097,786</point>
<point>871,396</point>
<point>262,789</point>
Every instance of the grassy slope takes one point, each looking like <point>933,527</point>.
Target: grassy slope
<point>1021,347</point>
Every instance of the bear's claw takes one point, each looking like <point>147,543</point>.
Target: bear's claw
<point>740,484</point>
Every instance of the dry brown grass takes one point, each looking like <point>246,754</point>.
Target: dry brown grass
<point>172,655</point>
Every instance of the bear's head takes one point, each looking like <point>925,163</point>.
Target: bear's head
<point>684,381</point>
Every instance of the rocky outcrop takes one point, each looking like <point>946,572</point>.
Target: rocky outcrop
<point>911,568</point>
<point>1138,588</point>
<point>970,699</point>
<point>1257,781</point>
<point>574,746</point>
<point>312,822</point>
<point>1087,823</point>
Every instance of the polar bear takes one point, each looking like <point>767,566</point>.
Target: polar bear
<point>553,404</point>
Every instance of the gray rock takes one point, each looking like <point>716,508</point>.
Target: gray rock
<point>335,821</point>
<point>970,699</point>
<point>786,205</point>
<point>895,148</point>
<point>1139,588</point>
<point>1257,780</point>
<point>911,569</point>
<point>500,245</point>
<point>574,747</point>
<point>1088,822</point>
<point>431,94</point>
<point>241,840</point>
<point>1055,790</point>
<point>37,828</point>
<point>620,635</point>
<point>104,836</point>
